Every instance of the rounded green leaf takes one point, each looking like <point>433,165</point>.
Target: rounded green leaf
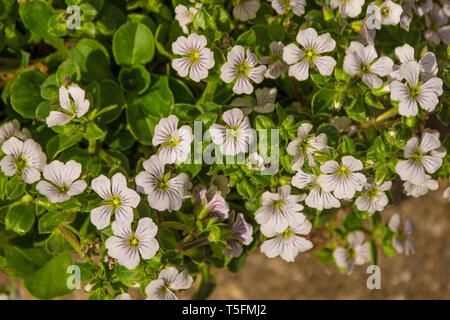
<point>135,79</point>
<point>20,219</point>
<point>26,93</point>
<point>133,44</point>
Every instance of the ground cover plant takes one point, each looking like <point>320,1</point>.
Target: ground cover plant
<point>145,143</point>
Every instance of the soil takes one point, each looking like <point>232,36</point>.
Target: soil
<point>424,275</point>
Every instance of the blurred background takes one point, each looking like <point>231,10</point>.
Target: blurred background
<point>424,275</point>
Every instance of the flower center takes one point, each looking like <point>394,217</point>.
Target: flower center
<point>310,54</point>
<point>63,189</point>
<point>343,171</point>
<point>194,56</point>
<point>385,11</point>
<point>287,233</point>
<point>242,69</point>
<point>364,68</point>
<point>115,202</point>
<point>414,92</point>
<point>133,241</point>
<point>162,184</point>
<point>417,156</point>
<point>372,193</point>
<point>278,204</point>
<point>21,163</point>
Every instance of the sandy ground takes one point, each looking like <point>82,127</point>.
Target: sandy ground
<point>424,275</point>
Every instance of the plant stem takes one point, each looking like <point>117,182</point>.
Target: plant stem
<point>71,240</point>
<point>386,115</point>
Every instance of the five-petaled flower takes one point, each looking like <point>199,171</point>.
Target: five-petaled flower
<point>280,210</point>
<point>402,238</point>
<point>235,136</point>
<point>265,101</point>
<point>242,232</point>
<point>62,181</point>
<point>343,179</point>
<point>117,199</point>
<point>420,158</point>
<point>127,246</point>
<point>275,63</point>
<point>288,243</point>
<point>12,129</point>
<point>357,253</point>
<point>196,59</point>
<point>348,8</point>
<point>246,9</point>
<point>414,92</point>
<point>163,192</point>
<point>360,61</point>
<point>241,67</point>
<point>374,197</point>
<point>73,104</point>
<point>283,6</point>
<point>24,158</point>
<point>305,146</point>
<point>169,280</point>
<point>428,65</point>
<point>313,45</point>
<point>175,143</point>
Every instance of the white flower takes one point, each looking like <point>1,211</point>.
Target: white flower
<point>428,65</point>
<point>246,9</point>
<point>402,241</point>
<point>62,181</point>
<point>242,68</point>
<point>306,146</point>
<point>438,27</point>
<point>212,202</point>
<point>390,13</point>
<point>255,162</point>
<point>317,197</point>
<point>163,192</point>
<point>421,7</point>
<point>280,210</point>
<point>360,61</point>
<point>73,104</point>
<point>169,279</point>
<point>373,198</point>
<point>123,296</point>
<point>283,6</point>
<point>359,253</point>
<point>118,199</point>
<point>196,59</point>
<point>287,244</point>
<point>348,8</point>
<point>185,16</point>
<point>24,158</point>
<point>175,143</point>
<point>12,129</point>
<point>415,92</point>
<point>420,158</point>
<point>127,245</point>
<point>235,136</point>
<point>275,62</point>
<point>265,101</point>
<point>241,233</point>
<point>447,194</point>
<point>313,46</point>
<point>415,190</point>
<point>343,180</point>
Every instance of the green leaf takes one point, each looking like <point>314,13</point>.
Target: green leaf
<point>57,243</point>
<point>347,146</point>
<point>140,125</point>
<point>68,72</point>
<point>325,255</point>
<point>26,93</point>
<point>93,60</point>
<point>203,20</point>
<point>158,100</point>
<point>19,218</point>
<point>34,15</point>
<point>110,94</point>
<point>135,79</point>
<point>322,102</point>
<point>263,122</point>
<point>129,277</point>
<point>247,39</point>
<point>51,220</point>
<point>50,281</point>
<point>93,132</point>
<point>60,143</point>
<point>236,264</point>
<point>246,189</point>
<point>331,132</point>
<point>133,44</point>
<point>357,110</point>
<point>352,222</point>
